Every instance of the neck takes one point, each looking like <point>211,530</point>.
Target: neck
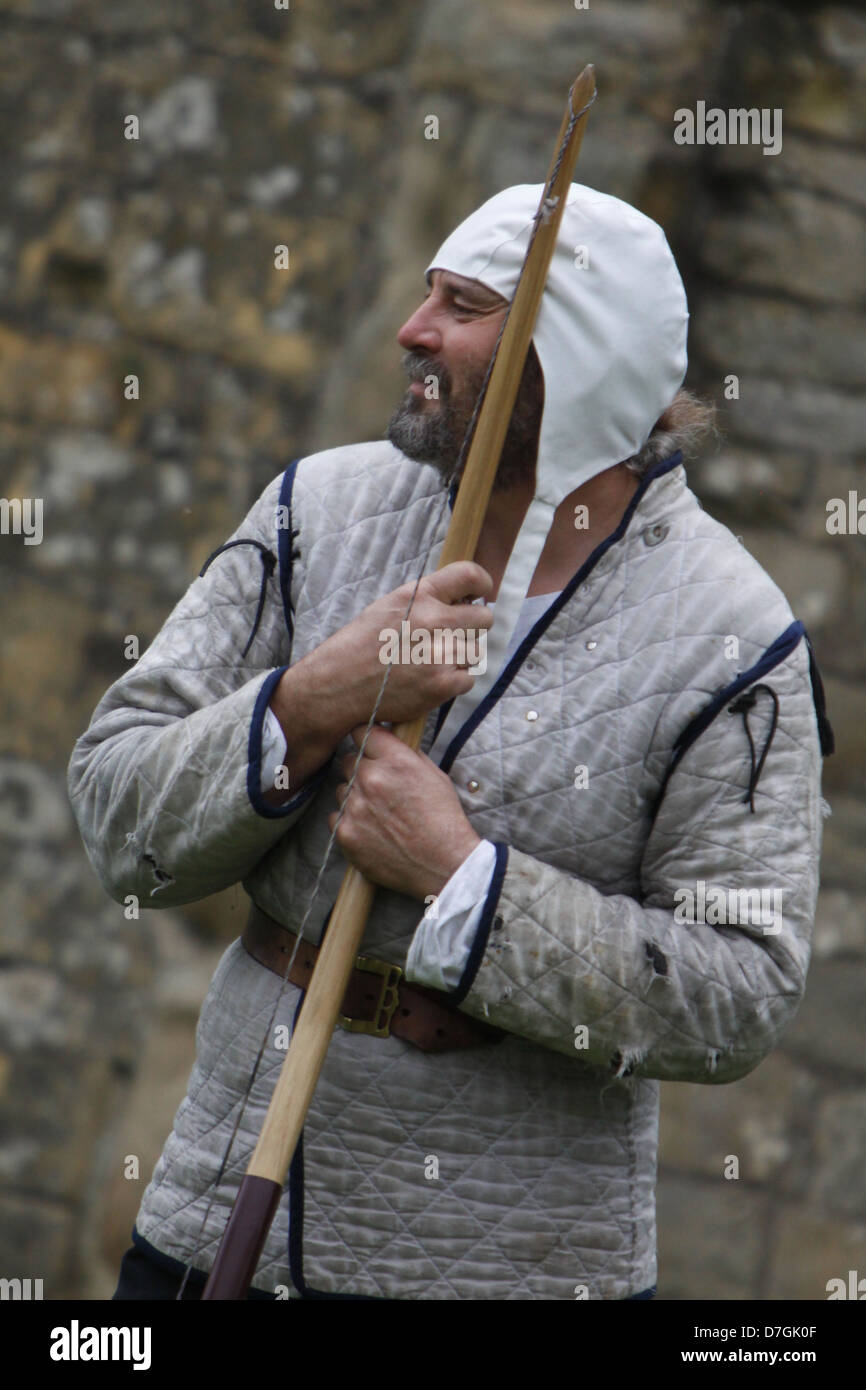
<point>573,535</point>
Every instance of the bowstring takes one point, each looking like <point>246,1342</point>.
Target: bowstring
<point>545,209</point>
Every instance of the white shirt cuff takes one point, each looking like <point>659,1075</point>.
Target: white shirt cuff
<point>273,750</point>
<point>444,936</point>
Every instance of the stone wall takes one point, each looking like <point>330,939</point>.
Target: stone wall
<point>154,258</point>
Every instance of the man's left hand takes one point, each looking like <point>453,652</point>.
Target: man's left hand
<point>403,825</point>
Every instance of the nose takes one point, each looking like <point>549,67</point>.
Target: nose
<point>420,331</point>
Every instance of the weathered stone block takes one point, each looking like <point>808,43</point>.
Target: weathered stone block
<point>710,1238</point>
<point>844,837</point>
<point>752,1120</point>
<point>38,1241</point>
<point>753,335</point>
<point>840,1179</point>
<point>808,1249</point>
<point>748,485</point>
<point>797,415</point>
<point>805,161</point>
<point>840,924</point>
<point>830,1027</point>
<point>846,770</point>
<point>787,241</point>
<point>812,577</point>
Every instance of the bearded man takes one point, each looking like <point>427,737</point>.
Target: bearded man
<point>592,822</point>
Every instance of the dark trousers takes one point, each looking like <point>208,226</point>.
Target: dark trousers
<point>142,1278</point>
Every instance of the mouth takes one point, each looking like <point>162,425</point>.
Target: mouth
<point>421,372</point>
<point>418,398</point>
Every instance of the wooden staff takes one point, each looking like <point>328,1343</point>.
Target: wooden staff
<point>260,1189</point>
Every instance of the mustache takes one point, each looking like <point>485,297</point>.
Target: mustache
<point>417,367</point>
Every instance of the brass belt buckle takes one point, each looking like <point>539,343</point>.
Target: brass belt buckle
<point>380,1024</point>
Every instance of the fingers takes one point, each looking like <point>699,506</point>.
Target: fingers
<point>458,580</point>
<point>379,744</point>
<point>467,615</point>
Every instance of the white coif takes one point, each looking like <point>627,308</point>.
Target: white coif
<point>611,340</point>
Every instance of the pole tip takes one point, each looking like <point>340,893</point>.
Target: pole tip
<point>583,91</point>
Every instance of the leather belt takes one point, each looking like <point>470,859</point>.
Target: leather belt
<point>377,1000</point>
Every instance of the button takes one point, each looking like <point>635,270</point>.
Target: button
<point>654,535</point>
<point>591,646</point>
<point>532,715</point>
<point>529,665</point>
<point>473,786</point>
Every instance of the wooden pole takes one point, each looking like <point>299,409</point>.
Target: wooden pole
<point>260,1189</point>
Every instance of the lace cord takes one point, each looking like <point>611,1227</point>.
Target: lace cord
<point>743,705</point>
<point>269,564</point>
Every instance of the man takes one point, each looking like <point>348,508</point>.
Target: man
<point>614,828</point>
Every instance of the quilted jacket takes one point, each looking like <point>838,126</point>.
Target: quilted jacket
<point>675,742</point>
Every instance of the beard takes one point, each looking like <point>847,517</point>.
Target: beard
<point>433,433</point>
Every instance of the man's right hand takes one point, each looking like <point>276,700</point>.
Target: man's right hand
<point>443,600</point>
<point>334,687</point>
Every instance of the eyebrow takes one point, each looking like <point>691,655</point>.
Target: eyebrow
<point>467,289</point>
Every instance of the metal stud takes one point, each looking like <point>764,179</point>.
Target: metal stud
<point>473,786</point>
<point>532,714</point>
<point>591,646</point>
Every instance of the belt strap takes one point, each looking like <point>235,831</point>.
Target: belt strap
<point>377,999</point>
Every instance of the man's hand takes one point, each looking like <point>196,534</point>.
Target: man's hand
<point>442,601</point>
<point>403,825</point>
<point>335,686</point>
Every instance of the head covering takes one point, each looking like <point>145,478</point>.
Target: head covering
<point>611,340</point>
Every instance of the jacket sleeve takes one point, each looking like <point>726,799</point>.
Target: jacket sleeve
<point>166,782</point>
<point>634,987</point>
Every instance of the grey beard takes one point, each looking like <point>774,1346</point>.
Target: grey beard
<point>424,436</point>
<point>435,436</point>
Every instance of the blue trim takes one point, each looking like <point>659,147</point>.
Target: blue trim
<point>296,1196</point>
<point>479,945</point>
<point>285,546</point>
<point>507,675</point>
<point>197,1277</point>
<point>296,1204</point>
<point>254,760</point>
<point>440,718</point>
<point>647,1293</point>
<point>779,651</point>
<point>296,1235</point>
<point>825,729</point>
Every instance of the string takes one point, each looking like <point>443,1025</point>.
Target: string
<point>545,208</point>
